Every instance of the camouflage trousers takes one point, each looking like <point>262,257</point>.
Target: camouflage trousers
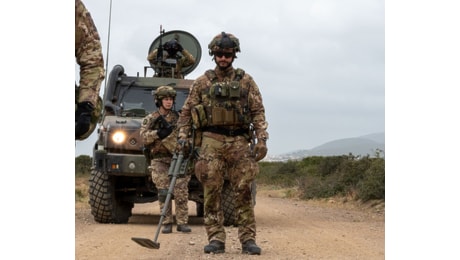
<point>220,155</point>
<point>159,169</point>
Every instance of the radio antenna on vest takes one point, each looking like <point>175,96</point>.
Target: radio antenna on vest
<point>108,44</point>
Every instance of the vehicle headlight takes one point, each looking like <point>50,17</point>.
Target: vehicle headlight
<point>119,137</point>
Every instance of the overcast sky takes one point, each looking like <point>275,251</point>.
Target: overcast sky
<point>319,64</point>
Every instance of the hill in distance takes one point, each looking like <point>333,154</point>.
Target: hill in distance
<point>362,145</point>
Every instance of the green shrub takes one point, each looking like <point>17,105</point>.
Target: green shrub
<point>82,165</point>
<point>372,186</point>
<point>79,195</point>
<point>323,177</point>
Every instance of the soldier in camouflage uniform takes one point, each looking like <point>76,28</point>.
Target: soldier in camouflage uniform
<point>171,50</point>
<point>223,104</point>
<point>88,54</point>
<point>154,132</point>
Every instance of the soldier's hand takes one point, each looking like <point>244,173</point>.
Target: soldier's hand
<point>183,145</point>
<point>164,132</point>
<point>260,150</point>
<point>182,139</point>
<point>83,118</point>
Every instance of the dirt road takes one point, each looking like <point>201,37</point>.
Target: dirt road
<point>286,229</point>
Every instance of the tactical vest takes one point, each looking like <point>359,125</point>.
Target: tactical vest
<point>224,104</point>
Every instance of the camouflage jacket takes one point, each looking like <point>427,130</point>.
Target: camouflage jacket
<point>200,91</point>
<point>186,60</point>
<point>88,54</point>
<point>149,129</point>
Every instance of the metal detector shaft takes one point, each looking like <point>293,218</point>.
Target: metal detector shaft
<point>173,171</point>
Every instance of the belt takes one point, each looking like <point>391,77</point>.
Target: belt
<point>225,131</point>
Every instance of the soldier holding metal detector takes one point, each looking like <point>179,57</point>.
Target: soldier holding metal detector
<point>155,129</point>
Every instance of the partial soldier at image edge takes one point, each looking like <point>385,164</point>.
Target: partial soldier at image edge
<point>88,55</point>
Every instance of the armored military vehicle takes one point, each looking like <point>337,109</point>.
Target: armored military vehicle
<point>119,177</point>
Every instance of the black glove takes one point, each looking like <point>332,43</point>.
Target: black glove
<point>164,132</point>
<point>172,47</point>
<point>83,118</point>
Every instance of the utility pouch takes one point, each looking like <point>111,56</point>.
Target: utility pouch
<point>199,116</point>
<point>218,90</point>
<point>222,116</point>
<point>234,89</point>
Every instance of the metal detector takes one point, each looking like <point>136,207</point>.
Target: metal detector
<point>175,170</point>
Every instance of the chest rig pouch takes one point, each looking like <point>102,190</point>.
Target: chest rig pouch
<point>224,103</point>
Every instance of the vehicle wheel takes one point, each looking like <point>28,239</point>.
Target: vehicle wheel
<point>199,209</point>
<point>105,207</point>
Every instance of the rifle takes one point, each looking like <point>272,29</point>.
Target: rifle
<point>163,124</point>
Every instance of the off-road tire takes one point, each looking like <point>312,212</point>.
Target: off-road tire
<point>105,207</point>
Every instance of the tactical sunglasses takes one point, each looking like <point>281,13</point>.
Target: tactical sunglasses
<point>221,53</point>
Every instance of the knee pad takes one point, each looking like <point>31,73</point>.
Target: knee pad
<point>162,193</point>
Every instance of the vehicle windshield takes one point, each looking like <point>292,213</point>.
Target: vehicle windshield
<point>140,102</point>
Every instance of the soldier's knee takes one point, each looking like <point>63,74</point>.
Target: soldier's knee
<point>162,193</point>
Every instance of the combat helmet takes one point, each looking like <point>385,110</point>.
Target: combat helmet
<point>224,41</point>
<point>162,92</point>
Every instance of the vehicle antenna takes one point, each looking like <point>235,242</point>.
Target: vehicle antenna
<point>108,44</point>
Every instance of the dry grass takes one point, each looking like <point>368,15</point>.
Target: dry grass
<point>82,187</point>
<point>81,191</point>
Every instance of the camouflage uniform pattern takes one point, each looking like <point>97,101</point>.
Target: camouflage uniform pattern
<point>186,60</point>
<point>159,167</point>
<point>221,154</point>
<point>88,54</point>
